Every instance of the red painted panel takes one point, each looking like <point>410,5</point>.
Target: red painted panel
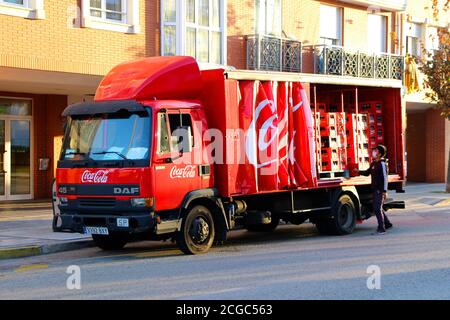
<point>101,176</point>
<point>159,77</point>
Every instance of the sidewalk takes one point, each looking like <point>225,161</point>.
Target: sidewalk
<point>26,228</point>
<point>421,196</point>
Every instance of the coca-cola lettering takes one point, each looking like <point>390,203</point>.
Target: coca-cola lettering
<point>186,172</point>
<point>100,176</point>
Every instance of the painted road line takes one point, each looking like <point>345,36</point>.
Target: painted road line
<point>158,253</point>
<point>31,267</point>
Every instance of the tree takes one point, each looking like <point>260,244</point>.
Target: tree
<point>435,66</point>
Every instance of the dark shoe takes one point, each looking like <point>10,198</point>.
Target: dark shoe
<point>379,233</point>
<point>388,226</point>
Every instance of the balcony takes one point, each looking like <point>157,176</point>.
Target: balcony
<point>270,53</point>
<point>336,60</point>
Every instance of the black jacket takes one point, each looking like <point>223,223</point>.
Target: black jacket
<point>379,174</point>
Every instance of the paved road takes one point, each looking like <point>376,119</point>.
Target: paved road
<point>294,262</point>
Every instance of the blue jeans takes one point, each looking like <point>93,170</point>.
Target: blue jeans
<point>378,210</point>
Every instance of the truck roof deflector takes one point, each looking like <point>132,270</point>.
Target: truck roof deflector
<point>155,77</point>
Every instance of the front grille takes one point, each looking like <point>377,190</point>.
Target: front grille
<point>97,202</point>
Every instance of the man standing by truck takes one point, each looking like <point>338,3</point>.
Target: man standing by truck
<point>379,174</point>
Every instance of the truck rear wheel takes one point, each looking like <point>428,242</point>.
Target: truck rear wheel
<point>342,220</point>
<point>113,241</point>
<point>197,231</point>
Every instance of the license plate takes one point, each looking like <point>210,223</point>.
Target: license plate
<point>122,222</point>
<point>96,230</point>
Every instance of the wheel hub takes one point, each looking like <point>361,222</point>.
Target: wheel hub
<point>199,230</point>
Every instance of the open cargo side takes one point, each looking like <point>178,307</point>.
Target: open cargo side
<point>383,110</point>
<point>223,100</point>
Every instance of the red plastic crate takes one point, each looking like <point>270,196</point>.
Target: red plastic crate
<point>329,131</point>
<point>327,119</point>
<point>329,142</point>
<point>350,108</point>
<point>331,166</point>
<point>334,107</point>
<point>373,142</point>
<point>329,154</point>
<point>379,120</point>
<point>375,107</point>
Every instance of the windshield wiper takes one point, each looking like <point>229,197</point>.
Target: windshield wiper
<point>115,152</point>
<point>76,153</point>
<point>73,153</point>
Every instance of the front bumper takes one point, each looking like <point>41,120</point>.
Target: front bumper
<point>137,224</point>
<point>75,216</point>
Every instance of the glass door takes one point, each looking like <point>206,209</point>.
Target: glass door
<point>2,160</point>
<point>20,161</point>
<point>16,179</point>
<point>15,159</point>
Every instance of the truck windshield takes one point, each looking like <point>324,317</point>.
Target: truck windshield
<point>110,137</point>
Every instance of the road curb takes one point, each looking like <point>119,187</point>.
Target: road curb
<point>29,251</point>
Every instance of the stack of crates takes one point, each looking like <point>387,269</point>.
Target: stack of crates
<point>316,117</point>
<point>342,140</point>
<point>333,142</point>
<point>375,113</point>
<point>357,129</point>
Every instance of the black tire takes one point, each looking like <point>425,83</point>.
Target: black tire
<point>342,220</point>
<point>323,226</point>
<point>264,227</point>
<point>57,222</point>
<point>115,241</point>
<point>197,232</point>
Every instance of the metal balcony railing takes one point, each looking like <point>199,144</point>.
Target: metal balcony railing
<point>336,60</point>
<point>273,54</point>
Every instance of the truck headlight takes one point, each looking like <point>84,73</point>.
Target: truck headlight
<point>142,202</point>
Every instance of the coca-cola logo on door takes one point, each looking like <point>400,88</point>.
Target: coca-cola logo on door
<point>186,172</point>
<point>100,176</point>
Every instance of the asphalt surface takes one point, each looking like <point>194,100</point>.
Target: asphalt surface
<point>294,262</point>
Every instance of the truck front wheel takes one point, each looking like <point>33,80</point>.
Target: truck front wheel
<point>197,231</point>
<point>114,241</point>
<point>342,220</point>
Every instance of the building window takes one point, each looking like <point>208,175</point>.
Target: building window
<point>413,46</point>
<point>195,28</point>
<point>114,10</point>
<point>431,39</point>
<point>31,9</point>
<point>330,25</point>
<point>112,15</point>
<point>268,17</point>
<point>377,33</point>
<point>17,2</point>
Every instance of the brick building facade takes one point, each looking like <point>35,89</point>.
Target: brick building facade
<point>54,53</point>
<point>428,134</point>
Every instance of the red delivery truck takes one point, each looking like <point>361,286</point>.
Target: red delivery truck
<point>167,151</point>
